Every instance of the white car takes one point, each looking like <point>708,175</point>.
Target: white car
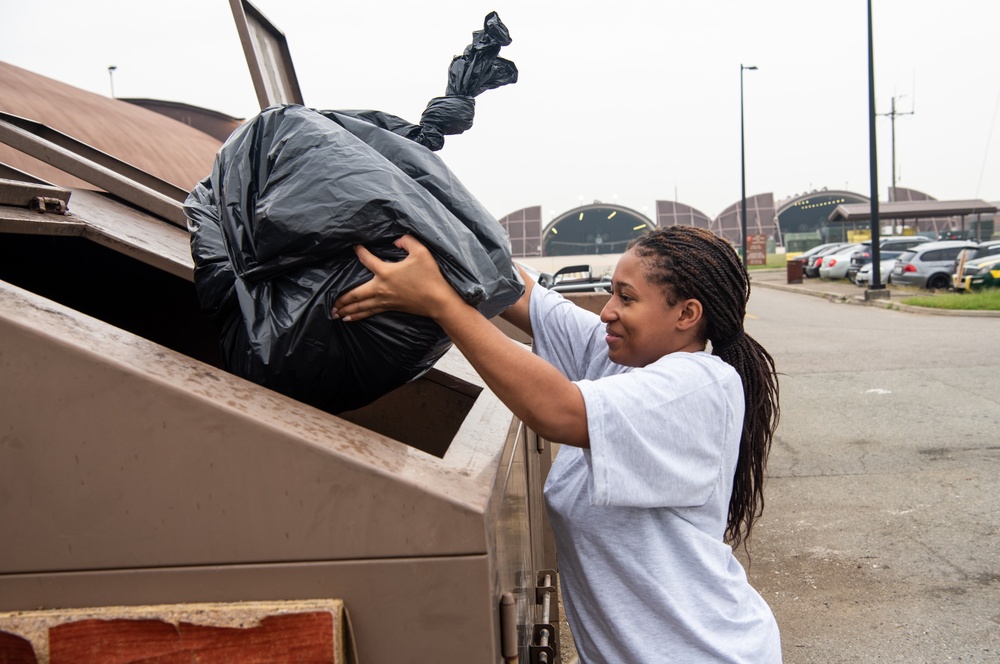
<point>888,260</point>
<point>835,265</point>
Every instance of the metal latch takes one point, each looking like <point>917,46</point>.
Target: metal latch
<point>47,204</point>
<point>35,196</point>
<point>544,648</point>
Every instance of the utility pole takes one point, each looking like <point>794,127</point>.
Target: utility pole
<point>892,119</point>
<point>743,172</point>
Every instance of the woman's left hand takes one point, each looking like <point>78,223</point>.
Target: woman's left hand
<point>413,285</point>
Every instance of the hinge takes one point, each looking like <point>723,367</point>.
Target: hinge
<point>544,647</point>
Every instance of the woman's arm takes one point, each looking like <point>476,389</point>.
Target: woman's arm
<point>534,390</point>
<point>519,313</point>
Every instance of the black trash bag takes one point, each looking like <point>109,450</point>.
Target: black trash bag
<point>477,70</point>
<point>273,230</point>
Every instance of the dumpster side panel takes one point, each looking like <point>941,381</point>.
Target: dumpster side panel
<point>118,453</point>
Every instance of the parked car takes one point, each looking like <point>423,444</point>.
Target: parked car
<point>979,273</point>
<point>570,279</point>
<point>814,251</point>
<point>863,256</point>
<point>835,265</point>
<point>928,265</point>
<point>811,267</point>
<point>887,260</point>
<point>543,279</point>
<point>579,279</point>
<point>982,250</point>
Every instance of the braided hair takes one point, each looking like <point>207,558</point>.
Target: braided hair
<point>693,263</point>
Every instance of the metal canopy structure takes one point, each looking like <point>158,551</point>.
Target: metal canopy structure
<point>911,210</point>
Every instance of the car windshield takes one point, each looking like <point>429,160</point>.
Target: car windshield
<point>907,256</point>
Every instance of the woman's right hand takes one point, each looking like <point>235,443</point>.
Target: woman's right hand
<point>413,285</point>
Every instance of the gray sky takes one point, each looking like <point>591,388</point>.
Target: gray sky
<point>629,101</point>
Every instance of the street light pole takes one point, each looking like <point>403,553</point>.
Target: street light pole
<point>875,288</point>
<point>743,173</point>
<point>111,76</point>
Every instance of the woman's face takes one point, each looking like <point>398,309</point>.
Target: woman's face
<point>641,326</point>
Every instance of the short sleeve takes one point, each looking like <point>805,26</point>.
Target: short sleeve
<point>568,337</point>
<point>662,435</point>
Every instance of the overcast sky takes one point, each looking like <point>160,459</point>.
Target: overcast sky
<point>624,102</point>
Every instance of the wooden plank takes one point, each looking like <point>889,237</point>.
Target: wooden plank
<point>315,631</point>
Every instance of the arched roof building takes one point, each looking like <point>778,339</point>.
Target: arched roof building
<point>525,230</point>
<point>599,228</point>
<point>760,219</point>
<point>804,216</point>
<point>672,213</point>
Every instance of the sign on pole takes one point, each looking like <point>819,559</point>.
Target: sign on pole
<point>757,250</point>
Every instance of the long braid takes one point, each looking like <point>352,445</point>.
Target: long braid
<point>693,263</point>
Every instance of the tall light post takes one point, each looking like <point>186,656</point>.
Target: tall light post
<point>875,288</point>
<point>111,76</point>
<point>743,173</point>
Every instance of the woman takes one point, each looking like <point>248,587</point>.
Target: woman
<point>664,444</point>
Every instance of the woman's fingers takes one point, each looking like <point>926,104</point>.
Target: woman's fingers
<point>356,303</point>
<point>367,299</point>
<point>368,259</point>
<point>411,285</point>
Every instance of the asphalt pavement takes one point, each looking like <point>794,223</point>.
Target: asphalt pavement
<point>880,537</point>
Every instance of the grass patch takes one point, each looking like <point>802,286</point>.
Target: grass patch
<point>987,299</point>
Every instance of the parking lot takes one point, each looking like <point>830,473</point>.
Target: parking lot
<point>879,537</point>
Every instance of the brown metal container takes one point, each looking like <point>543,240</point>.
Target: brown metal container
<point>133,470</point>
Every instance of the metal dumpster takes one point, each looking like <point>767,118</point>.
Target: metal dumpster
<point>135,471</point>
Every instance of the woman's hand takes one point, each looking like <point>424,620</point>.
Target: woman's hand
<point>413,285</point>
<point>531,387</point>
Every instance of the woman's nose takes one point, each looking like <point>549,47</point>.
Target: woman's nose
<point>608,313</point>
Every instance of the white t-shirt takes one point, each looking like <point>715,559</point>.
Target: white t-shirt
<point>639,518</point>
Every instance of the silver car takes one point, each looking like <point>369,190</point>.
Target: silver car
<point>834,266</point>
<point>928,265</point>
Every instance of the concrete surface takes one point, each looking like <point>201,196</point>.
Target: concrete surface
<point>879,539</point>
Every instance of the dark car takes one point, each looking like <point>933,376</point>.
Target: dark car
<point>864,255</point>
<point>983,272</point>
<point>982,250</point>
